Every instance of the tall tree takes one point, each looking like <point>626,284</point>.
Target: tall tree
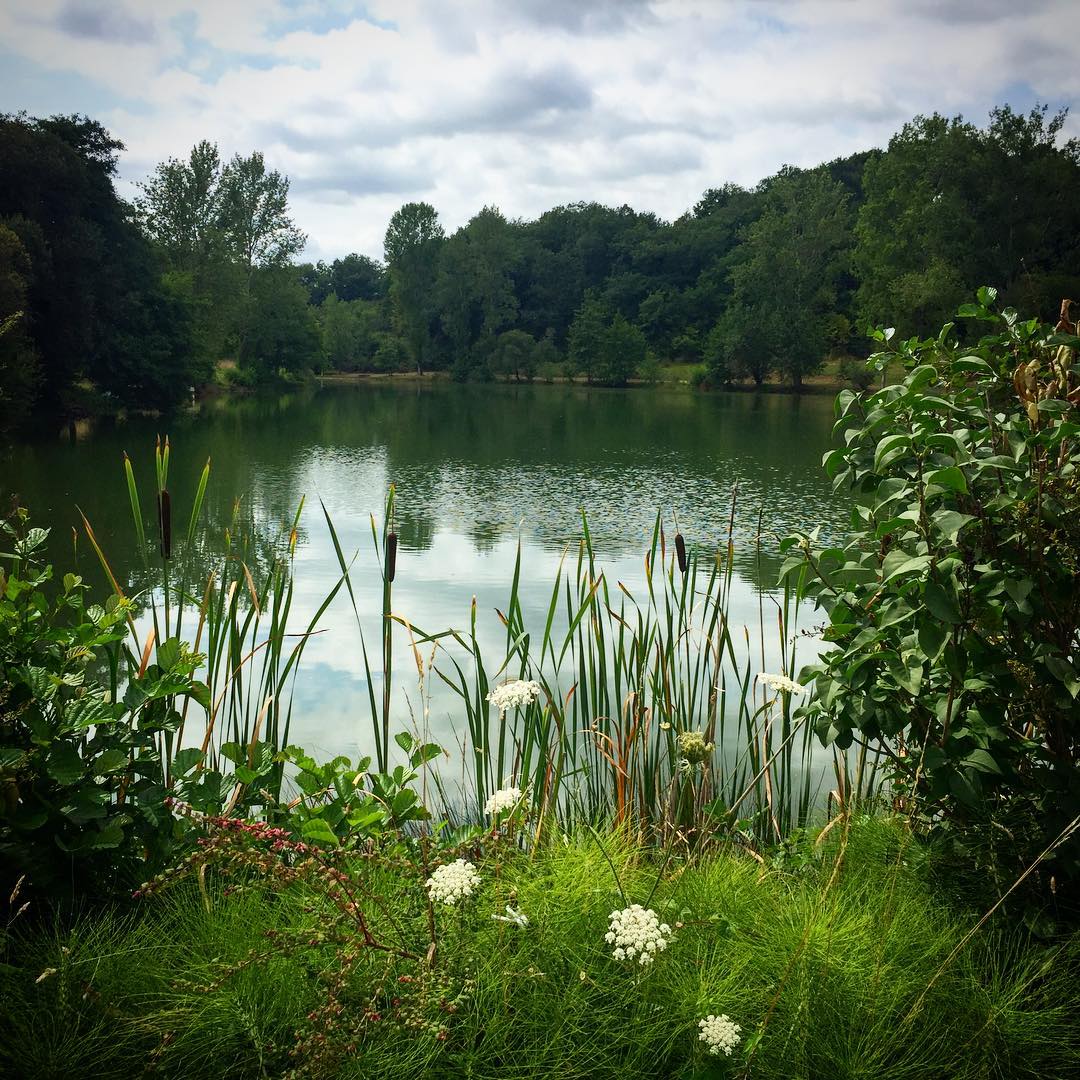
<point>95,303</point>
<point>179,207</point>
<point>411,246</point>
<point>790,261</point>
<point>254,214</point>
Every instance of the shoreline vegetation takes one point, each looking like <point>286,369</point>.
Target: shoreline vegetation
<point>640,872</point>
<point>111,305</point>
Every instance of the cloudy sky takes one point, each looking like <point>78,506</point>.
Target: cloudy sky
<point>524,104</point>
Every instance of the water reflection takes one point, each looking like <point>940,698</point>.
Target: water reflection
<point>476,469</point>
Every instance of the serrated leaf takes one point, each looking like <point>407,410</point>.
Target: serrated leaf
<point>64,764</point>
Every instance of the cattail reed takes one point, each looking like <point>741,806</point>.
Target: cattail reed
<point>680,552</point>
<point>165,522</point>
<point>391,555</point>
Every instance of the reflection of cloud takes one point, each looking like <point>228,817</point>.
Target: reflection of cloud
<point>525,105</point>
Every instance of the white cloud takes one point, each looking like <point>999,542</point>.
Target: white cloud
<point>532,104</point>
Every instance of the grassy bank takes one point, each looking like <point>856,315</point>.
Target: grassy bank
<point>839,957</point>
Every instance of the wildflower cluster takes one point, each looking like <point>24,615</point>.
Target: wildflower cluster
<point>781,682</point>
<point>637,932</point>
<point>515,694</point>
<point>719,1033</point>
<point>693,749</point>
<point>453,882</point>
<point>504,799</point>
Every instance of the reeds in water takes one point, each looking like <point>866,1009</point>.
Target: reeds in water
<point>629,680</point>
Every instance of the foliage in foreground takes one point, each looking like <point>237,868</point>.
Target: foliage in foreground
<point>838,958</point>
<point>954,605</point>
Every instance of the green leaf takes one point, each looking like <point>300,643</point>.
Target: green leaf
<point>940,603</point>
<point>426,753</point>
<point>914,565</point>
<point>950,477</point>
<point>186,760</point>
<point>318,832</point>
<point>950,523</point>
<point>974,363</point>
<point>963,787</point>
<point>64,764</point>
<point>892,446</point>
<point>168,653</point>
<point>932,637</point>
<point>1065,673</point>
<point>109,761</point>
<point>404,740</point>
<point>234,752</point>
<point>983,761</point>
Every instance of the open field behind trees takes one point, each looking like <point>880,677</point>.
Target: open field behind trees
<point>105,304</point>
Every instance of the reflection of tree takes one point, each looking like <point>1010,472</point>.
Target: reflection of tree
<point>480,461</point>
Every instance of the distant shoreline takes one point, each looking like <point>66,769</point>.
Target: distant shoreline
<point>815,385</point>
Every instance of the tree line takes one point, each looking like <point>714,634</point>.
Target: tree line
<point>141,301</point>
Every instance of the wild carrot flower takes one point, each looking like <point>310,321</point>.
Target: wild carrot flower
<point>637,933</point>
<point>514,694</point>
<point>780,682</point>
<point>504,799</point>
<point>719,1034</point>
<point>693,747</point>
<point>453,882</point>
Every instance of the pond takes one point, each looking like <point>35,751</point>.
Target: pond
<point>478,470</point>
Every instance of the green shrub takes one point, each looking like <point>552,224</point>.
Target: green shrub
<point>80,755</point>
<point>954,606</point>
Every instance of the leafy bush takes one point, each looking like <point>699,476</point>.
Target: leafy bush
<point>954,606</point>
<point>80,753</point>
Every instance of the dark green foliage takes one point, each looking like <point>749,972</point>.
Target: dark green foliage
<point>19,362</point>
<point>954,606</point>
<point>82,725</point>
<point>352,333</point>
<point>94,303</point>
<point>282,334</point>
<point>949,206</point>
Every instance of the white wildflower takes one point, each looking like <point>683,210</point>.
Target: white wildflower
<point>781,682</point>
<point>513,915</point>
<point>504,799</point>
<point>719,1034</point>
<point>453,882</point>
<point>514,694</point>
<point>637,932</point>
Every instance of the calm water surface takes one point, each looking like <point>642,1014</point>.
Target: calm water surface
<point>477,470</point>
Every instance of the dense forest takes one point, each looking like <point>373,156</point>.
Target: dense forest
<point>107,303</point>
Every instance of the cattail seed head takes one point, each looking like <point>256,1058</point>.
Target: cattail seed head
<point>680,551</point>
<point>391,555</point>
<point>165,522</point>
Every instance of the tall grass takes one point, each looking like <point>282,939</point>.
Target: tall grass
<point>839,962</point>
<point>625,674</point>
<point>237,618</point>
